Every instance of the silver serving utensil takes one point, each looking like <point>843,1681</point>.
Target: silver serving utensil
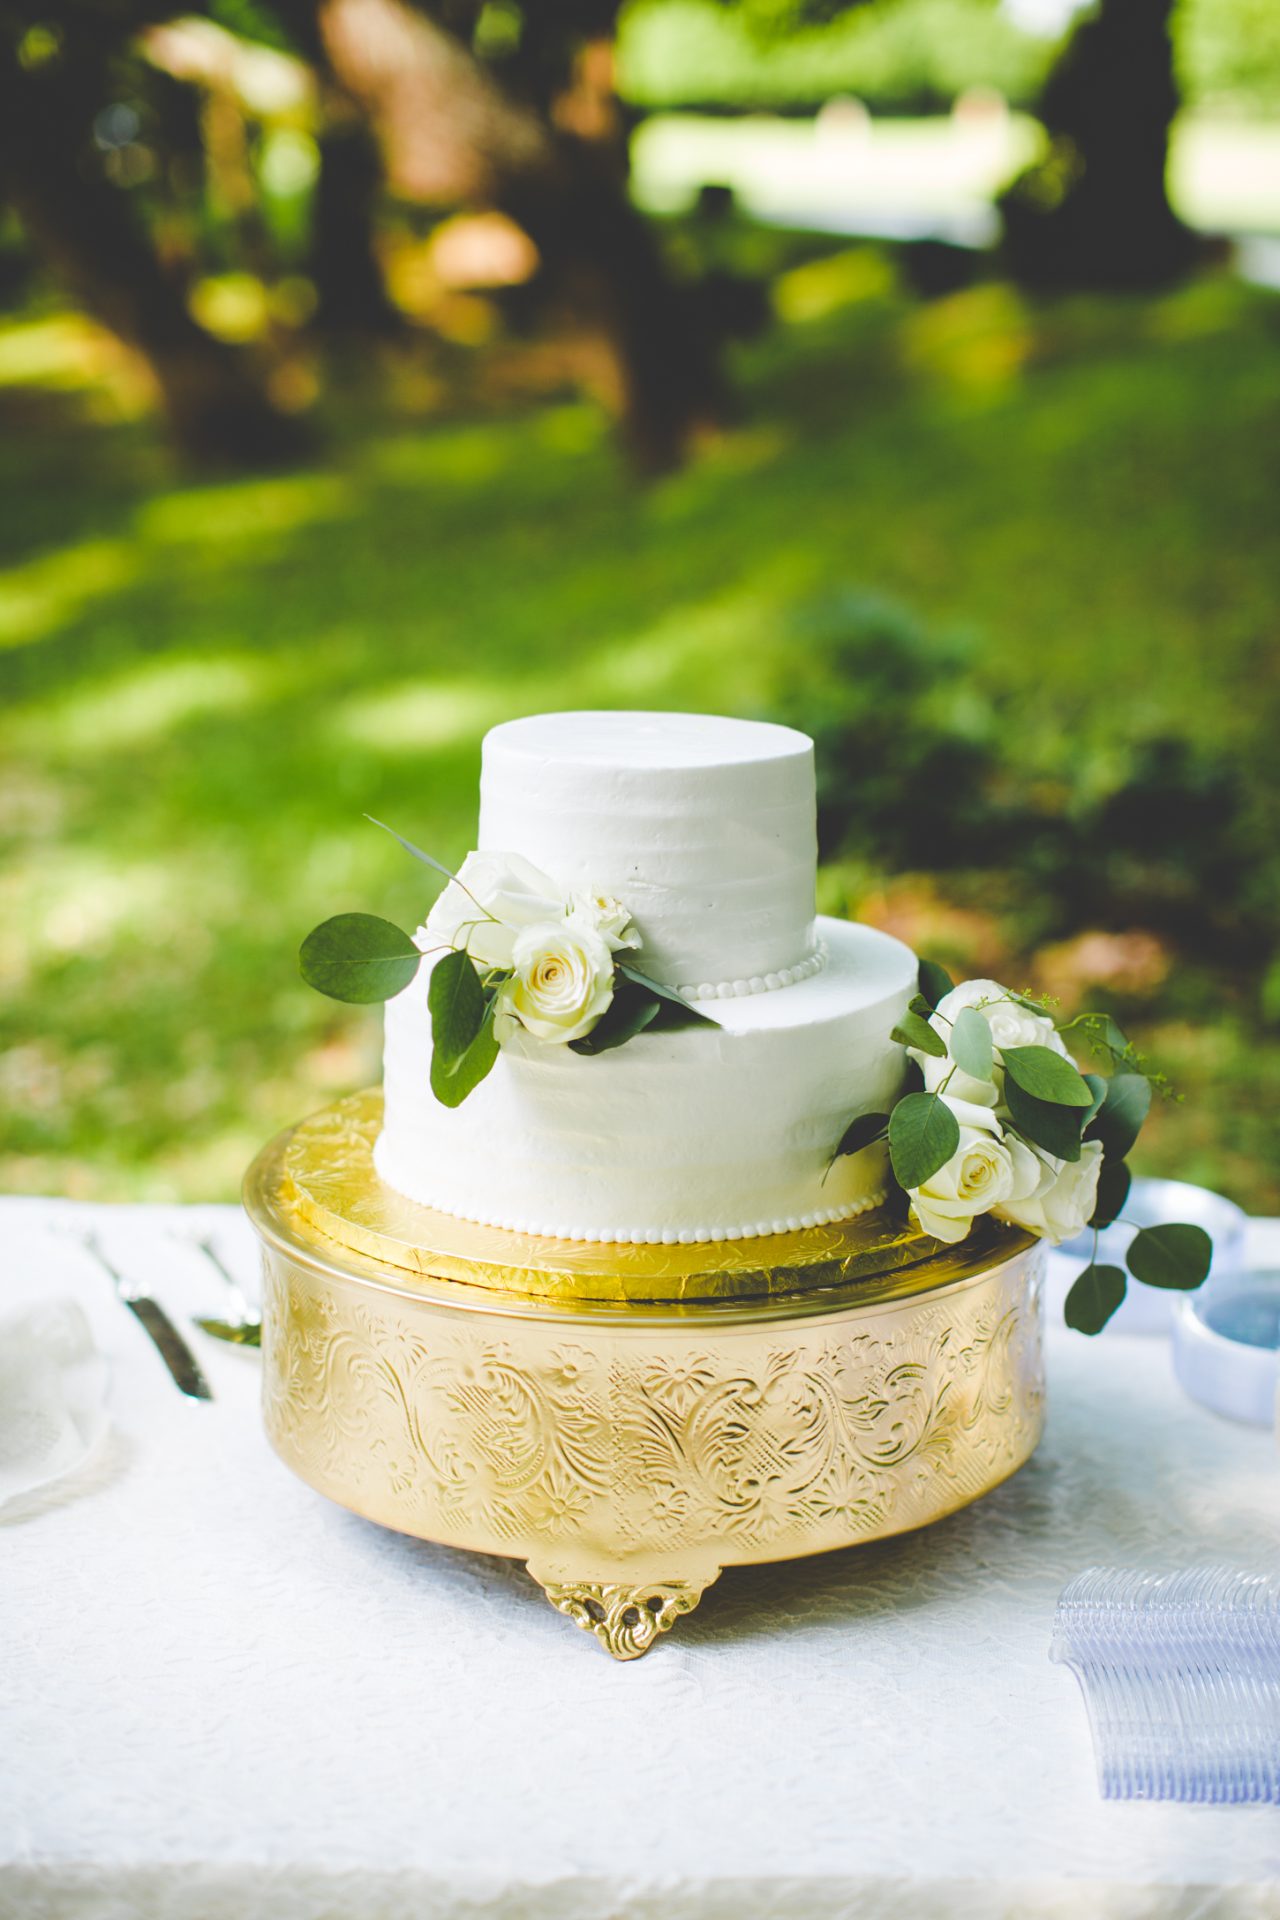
<point>183,1366</point>
<point>242,1328</point>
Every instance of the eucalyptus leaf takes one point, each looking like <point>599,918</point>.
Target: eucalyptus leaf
<point>971,1047</point>
<point>693,1016</point>
<point>672,1015</point>
<point>358,958</point>
<point>452,1081</point>
<point>1095,1294</point>
<point>862,1132</point>
<point>632,1009</point>
<point>1119,1120</point>
<point>923,1135</point>
<point>1114,1182</point>
<point>1173,1254</point>
<point>1097,1085</point>
<point>1111,1038</point>
<point>457,1004</point>
<point>409,847</point>
<point>1056,1129</point>
<point>934,982</point>
<point>912,1031</point>
<point>1045,1075</point>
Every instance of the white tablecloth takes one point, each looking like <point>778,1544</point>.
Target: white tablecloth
<point>222,1698</point>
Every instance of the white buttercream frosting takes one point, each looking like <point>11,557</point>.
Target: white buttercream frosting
<point>703,827</point>
<point>706,1133</point>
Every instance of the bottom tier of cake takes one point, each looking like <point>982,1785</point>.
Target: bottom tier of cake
<point>705,1134</point>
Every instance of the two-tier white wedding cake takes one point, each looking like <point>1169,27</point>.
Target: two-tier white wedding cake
<point>703,829</point>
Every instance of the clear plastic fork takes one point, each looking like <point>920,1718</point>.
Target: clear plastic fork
<point>1180,1675</point>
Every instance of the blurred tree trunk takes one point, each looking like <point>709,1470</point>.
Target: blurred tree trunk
<point>342,257</point>
<point>1094,213</point>
<point>453,134</point>
<point>87,232</point>
<point>342,261</point>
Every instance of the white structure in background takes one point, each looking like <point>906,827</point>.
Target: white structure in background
<point>1046,17</point>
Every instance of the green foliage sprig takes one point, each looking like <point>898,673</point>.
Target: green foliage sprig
<point>361,959</point>
<point>1050,1106</point>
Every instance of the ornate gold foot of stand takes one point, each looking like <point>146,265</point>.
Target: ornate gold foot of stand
<point>626,1616</point>
<point>627,1420</point>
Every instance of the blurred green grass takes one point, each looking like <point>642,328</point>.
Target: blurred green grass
<point>207,684</point>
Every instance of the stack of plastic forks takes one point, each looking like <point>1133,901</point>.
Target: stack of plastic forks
<point>1181,1678</point>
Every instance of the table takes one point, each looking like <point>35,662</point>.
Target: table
<point>222,1698</point>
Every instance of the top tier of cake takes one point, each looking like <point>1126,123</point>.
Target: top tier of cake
<point>703,827</point>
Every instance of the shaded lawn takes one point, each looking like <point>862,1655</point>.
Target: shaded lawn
<point>207,683</point>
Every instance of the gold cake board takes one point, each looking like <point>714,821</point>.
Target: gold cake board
<point>630,1419</point>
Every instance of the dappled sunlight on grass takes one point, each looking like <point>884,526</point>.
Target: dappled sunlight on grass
<point>230,675</point>
<point>244,510</point>
<point>128,709</point>
<point>40,597</point>
<point>417,716</point>
<point>817,288</point>
<point>63,351</point>
<point>974,345</point>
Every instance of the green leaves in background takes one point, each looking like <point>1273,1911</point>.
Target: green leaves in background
<point>358,958</point>
<point>934,982</point>
<point>923,1135</point>
<point>912,1031</point>
<point>1172,1255</point>
<point>1045,1075</point>
<point>971,1046</point>
<point>463,1044</point>
<point>1119,1120</point>
<point>1095,1294</point>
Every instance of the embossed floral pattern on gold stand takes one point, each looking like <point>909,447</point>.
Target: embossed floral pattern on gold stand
<point>628,1448</point>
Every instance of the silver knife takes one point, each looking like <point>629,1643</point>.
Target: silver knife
<point>164,1336</point>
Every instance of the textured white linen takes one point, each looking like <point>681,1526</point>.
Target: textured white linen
<point>222,1698</point>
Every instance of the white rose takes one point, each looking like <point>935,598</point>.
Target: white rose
<point>1011,1024</point>
<point>977,1177</point>
<point>1062,1203</point>
<point>562,984</point>
<point>482,910</point>
<point>970,1114</point>
<point>609,918</point>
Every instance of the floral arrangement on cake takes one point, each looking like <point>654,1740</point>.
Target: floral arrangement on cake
<point>519,954</point>
<point>1003,1122</point>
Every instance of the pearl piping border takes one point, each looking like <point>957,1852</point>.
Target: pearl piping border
<point>664,1236</point>
<point>758,983</point>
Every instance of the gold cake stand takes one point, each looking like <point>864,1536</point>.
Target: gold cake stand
<point>630,1419</point>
